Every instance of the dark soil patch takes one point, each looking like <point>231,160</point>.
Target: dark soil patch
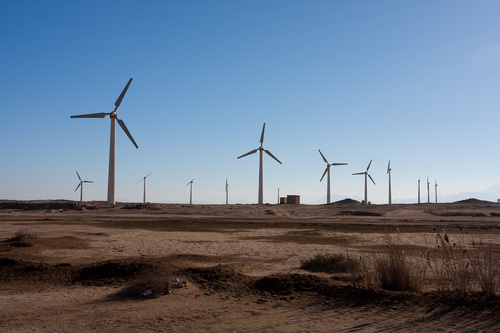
<point>359,213</point>
<point>111,273</point>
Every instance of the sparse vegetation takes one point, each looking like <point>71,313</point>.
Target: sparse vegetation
<point>23,238</point>
<point>463,266</point>
<point>331,263</point>
<point>457,266</point>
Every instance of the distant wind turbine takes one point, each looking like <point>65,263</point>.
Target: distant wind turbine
<point>227,191</point>
<point>428,192</point>
<point>260,150</point>
<point>190,191</point>
<point>327,171</point>
<point>366,182</point>
<point>144,180</point>
<point>278,194</point>
<point>419,190</point>
<point>112,145</point>
<point>80,185</point>
<point>436,190</point>
<point>389,173</point>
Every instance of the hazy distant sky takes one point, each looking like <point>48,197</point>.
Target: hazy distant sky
<point>416,82</point>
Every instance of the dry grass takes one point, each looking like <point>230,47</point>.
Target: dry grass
<point>23,238</point>
<point>464,265</point>
<point>330,263</point>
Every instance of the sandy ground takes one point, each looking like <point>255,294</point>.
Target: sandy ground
<point>88,266</point>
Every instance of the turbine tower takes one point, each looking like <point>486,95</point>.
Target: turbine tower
<point>366,182</point>
<point>112,144</point>
<point>144,180</point>
<point>419,190</point>
<point>389,173</point>
<point>190,191</point>
<point>80,185</point>
<point>436,190</point>
<point>278,195</point>
<point>327,172</point>
<point>227,191</point>
<point>260,150</point>
<point>428,193</point>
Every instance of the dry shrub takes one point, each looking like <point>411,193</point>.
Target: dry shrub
<point>395,271</point>
<point>459,267</point>
<point>486,269</point>
<point>22,238</point>
<point>330,263</point>
<point>24,235</point>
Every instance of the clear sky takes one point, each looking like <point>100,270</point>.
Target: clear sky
<point>415,82</point>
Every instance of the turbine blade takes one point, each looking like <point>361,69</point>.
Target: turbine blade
<point>78,187</point>
<point>91,115</point>
<point>262,135</point>
<point>269,153</point>
<point>190,182</point>
<point>78,175</point>
<point>249,153</point>
<point>124,128</point>
<point>359,173</point>
<point>119,100</point>
<point>338,164</point>
<point>148,175</point>
<point>324,173</point>
<point>324,159</point>
<point>88,181</point>
<point>368,167</point>
<point>371,179</point>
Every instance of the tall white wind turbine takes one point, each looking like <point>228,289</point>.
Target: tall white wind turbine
<point>112,144</point>
<point>436,190</point>
<point>144,180</point>
<point>327,172</point>
<point>428,192</point>
<point>80,185</point>
<point>366,182</point>
<point>227,192</point>
<point>419,190</point>
<point>190,191</point>
<point>389,173</point>
<point>260,150</point>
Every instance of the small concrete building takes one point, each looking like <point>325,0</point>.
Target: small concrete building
<point>282,200</point>
<point>293,199</point>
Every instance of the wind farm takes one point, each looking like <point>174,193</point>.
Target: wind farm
<point>410,86</point>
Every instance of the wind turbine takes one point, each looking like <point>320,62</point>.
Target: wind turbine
<point>81,186</point>
<point>327,171</point>
<point>436,190</point>
<point>278,195</point>
<point>227,191</point>
<point>366,183</point>
<point>144,180</point>
<point>389,173</point>
<point>112,144</point>
<point>190,191</point>
<point>260,150</point>
<point>419,190</point>
<point>428,193</point>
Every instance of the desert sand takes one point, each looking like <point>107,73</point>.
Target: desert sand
<point>229,268</point>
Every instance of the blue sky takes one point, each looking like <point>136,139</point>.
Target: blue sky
<point>416,82</point>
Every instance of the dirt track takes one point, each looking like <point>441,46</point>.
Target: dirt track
<point>89,265</point>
